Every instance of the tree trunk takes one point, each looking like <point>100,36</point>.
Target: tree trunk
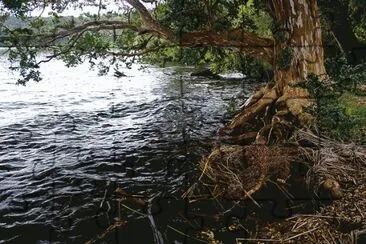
<point>298,52</point>
<point>298,34</point>
<point>271,115</point>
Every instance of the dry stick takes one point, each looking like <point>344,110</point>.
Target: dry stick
<point>116,225</point>
<point>313,215</point>
<point>301,234</point>
<point>299,226</point>
<point>230,209</point>
<point>188,191</point>
<point>242,226</point>
<point>157,236</point>
<point>184,234</point>
<point>325,239</point>
<point>359,210</point>
<point>256,188</point>
<point>204,170</point>
<point>269,135</point>
<point>252,239</point>
<point>134,211</point>
<point>334,241</point>
<point>11,238</point>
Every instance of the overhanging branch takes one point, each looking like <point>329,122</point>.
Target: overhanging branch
<point>135,53</point>
<point>149,21</point>
<point>251,44</point>
<point>235,39</point>
<point>89,26</point>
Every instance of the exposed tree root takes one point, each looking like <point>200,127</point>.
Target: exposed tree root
<point>271,115</point>
<point>237,125</point>
<point>267,142</point>
<point>238,172</point>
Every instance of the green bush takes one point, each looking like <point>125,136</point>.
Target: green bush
<point>331,117</point>
<point>348,77</point>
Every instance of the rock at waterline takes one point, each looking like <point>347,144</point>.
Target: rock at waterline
<point>119,74</point>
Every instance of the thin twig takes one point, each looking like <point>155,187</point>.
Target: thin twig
<point>314,216</point>
<point>184,234</point>
<point>257,240</point>
<point>301,234</point>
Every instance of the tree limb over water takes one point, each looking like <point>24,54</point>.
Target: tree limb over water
<point>291,42</point>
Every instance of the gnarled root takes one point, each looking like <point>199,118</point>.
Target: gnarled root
<point>268,118</point>
<point>271,116</point>
<point>237,125</point>
<point>240,171</point>
<point>335,170</point>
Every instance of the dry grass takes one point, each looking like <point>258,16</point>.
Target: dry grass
<point>342,220</point>
<point>240,171</point>
<point>237,172</point>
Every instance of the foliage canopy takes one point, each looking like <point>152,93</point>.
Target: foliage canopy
<point>120,32</point>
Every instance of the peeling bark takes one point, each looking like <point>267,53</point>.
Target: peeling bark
<point>299,37</point>
<point>299,25</point>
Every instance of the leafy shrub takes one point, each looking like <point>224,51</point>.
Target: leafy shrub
<point>347,76</point>
<point>331,117</point>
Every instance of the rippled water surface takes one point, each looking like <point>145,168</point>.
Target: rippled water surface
<point>67,142</point>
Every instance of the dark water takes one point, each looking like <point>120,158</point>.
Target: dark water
<point>69,141</point>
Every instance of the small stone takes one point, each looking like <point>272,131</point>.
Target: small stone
<point>333,188</point>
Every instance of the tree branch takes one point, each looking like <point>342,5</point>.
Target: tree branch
<point>89,26</point>
<point>141,52</point>
<point>250,44</point>
<point>236,39</point>
<point>55,55</point>
<point>101,25</point>
<point>149,21</point>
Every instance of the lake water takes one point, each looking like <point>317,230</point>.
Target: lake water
<point>67,142</point>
